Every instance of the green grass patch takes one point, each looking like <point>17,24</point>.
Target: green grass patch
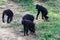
<point>14,24</point>
<point>2,2</point>
<point>48,30</point>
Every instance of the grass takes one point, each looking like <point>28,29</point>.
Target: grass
<point>54,4</point>
<point>2,2</point>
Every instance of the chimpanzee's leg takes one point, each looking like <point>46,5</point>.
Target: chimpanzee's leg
<point>46,18</point>
<point>42,16</point>
<point>25,30</point>
<point>32,30</point>
<point>38,14</point>
<point>11,18</point>
<point>8,19</point>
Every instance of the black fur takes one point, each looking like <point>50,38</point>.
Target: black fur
<point>28,17</point>
<point>8,13</point>
<point>43,10</point>
<point>28,26</point>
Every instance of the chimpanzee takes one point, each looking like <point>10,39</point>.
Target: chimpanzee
<point>28,26</point>
<point>8,13</point>
<point>28,17</point>
<point>43,10</point>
